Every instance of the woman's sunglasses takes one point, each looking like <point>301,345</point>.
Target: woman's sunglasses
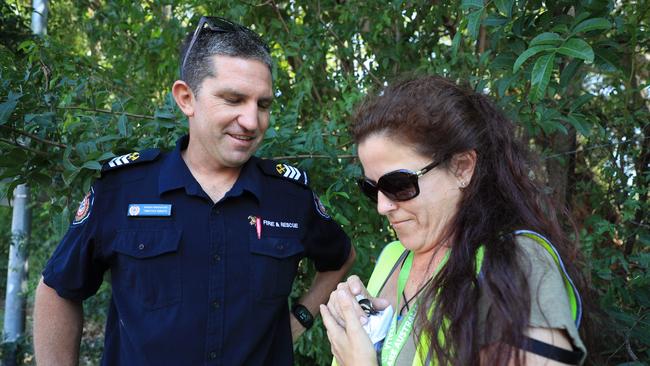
<point>399,185</point>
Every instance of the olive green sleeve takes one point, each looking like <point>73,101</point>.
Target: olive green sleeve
<point>550,306</point>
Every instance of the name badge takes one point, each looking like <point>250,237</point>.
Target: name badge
<point>149,209</point>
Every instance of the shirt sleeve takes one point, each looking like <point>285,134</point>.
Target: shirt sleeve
<point>74,270</point>
<point>325,242</point>
<point>549,305</point>
<point>549,302</point>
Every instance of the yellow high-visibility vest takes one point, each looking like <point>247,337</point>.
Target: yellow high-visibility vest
<point>394,250</point>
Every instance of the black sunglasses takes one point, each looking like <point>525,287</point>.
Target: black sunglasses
<point>218,25</point>
<point>399,185</point>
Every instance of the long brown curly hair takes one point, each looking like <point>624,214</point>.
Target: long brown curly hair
<point>439,118</point>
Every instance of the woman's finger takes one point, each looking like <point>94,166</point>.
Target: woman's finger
<point>333,307</point>
<point>350,310</point>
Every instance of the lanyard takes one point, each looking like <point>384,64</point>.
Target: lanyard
<point>398,334</point>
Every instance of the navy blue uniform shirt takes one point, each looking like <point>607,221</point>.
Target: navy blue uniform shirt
<point>193,282</point>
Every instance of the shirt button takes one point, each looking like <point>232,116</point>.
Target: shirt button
<point>215,304</point>
<point>212,355</point>
<point>141,246</point>
<point>216,258</point>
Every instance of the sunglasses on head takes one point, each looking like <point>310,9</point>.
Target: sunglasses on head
<point>399,185</point>
<point>218,25</point>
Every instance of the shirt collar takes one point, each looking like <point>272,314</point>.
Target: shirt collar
<point>175,174</point>
<point>249,180</point>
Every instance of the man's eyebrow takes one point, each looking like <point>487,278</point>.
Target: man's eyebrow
<point>234,93</point>
<point>230,92</point>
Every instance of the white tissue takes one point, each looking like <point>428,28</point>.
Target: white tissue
<point>378,324</point>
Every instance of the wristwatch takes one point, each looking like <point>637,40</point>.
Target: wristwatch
<point>303,315</point>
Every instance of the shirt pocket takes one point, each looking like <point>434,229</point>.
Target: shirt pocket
<point>147,267</point>
<point>274,262</point>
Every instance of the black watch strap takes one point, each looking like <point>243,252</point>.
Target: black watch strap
<point>303,315</point>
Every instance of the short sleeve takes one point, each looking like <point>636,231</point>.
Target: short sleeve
<point>550,307</point>
<point>325,242</point>
<point>73,270</point>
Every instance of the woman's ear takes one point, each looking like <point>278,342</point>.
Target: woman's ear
<point>184,97</point>
<point>462,165</point>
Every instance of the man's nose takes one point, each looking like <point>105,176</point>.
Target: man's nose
<point>249,117</point>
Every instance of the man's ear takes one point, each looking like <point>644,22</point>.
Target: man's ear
<point>463,165</point>
<point>184,97</point>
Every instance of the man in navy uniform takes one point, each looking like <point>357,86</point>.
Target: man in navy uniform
<point>202,243</point>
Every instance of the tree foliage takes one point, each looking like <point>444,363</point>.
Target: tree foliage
<point>572,74</point>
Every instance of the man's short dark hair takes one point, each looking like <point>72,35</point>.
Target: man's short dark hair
<point>241,43</point>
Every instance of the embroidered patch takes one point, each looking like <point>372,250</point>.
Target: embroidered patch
<point>85,207</point>
<point>288,171</point>
<point>320,207</point>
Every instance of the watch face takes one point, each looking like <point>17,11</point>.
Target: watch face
<point>303,315</point>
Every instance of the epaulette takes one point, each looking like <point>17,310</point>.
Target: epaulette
<point>286,171</point>
<point>133,158</point>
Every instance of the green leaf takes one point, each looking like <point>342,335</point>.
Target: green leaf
<point>541,76</point>
<point>474,23</point>
<point>579,123</point>
<point>576,47</point>
<point>609,59</point>
<point>569,72</point>
<point>546,38</point>
<point>92,165</point>
<point>504,83</point>
<point>162,114</point>
<point>6,109</point>
<point>121,125</point>
<point>67,164</point>
<point>455,44</point>
<point>472,4</point>
<point>576,104</point>
<point>494,20</point>
<point>592,24</point>
<point>530,53</point>
<point>504,6</point>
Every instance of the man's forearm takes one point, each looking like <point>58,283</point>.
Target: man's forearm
<point>324,283</point>
<point>58,324</point>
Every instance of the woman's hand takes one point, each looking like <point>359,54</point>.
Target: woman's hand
<point>350,344</point>
<point>354,287</point>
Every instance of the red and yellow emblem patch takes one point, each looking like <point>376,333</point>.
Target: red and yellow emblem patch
<point>85,207</point>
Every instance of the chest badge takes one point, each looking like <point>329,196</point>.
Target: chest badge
<point>254,220</point>
<point>149,210</point>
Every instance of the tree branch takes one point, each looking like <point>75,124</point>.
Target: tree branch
<point>14,143</point>
<point>34,137</point>
<point>340,43</point>
<point>106,111</point>
<point>312,156</point>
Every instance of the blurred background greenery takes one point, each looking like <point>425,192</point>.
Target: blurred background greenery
<point>572,74</point>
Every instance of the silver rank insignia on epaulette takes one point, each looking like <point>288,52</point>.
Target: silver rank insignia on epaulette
<point>124,159</point>
<point>290,172</point>
<point>131,159</point>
